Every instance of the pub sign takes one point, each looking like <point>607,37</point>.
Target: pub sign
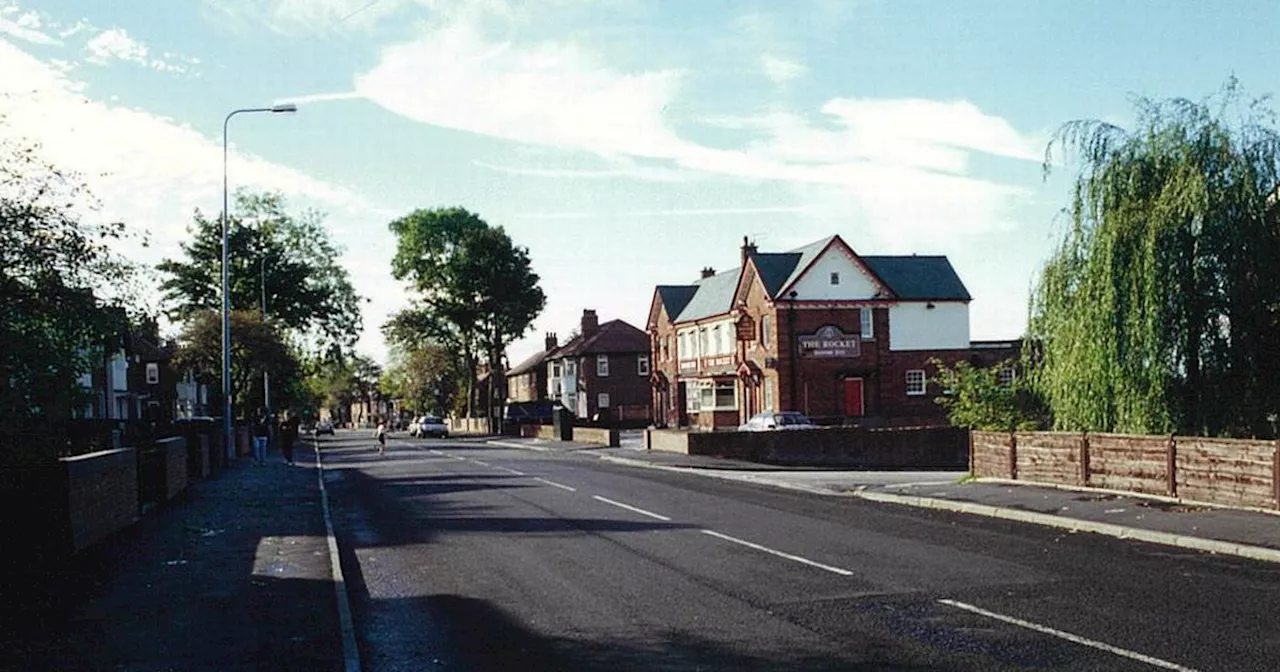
<point>829,342</point>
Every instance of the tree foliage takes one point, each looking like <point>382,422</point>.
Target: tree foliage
<point>478,289</point>
<point>424,376</point>
<point>1158,311</point>
<point>978,400</point>
<point>60,289</point>
<point>256,347</point>
<point>308,292</point>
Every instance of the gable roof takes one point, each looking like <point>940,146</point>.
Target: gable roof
<point>529,364</point>
<point>714,296</point>
<point>919,278</point>
<point>774,269</point>
<point>612,336</point>
<point>807,255</point>
<point>675,297</point>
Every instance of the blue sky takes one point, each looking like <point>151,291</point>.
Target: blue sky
<point>626,143</point>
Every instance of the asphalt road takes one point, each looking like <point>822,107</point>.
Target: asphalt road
<point>463,556</point>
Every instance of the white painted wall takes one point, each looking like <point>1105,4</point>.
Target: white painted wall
<point>913,326</point>
<point>854,285</point>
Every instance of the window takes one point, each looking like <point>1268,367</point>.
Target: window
<point>768,396</point>
<point>868,324</point>
<point>642,365</point>
<point>766,329</point>
<point>570,367</point>
<point>1006,376</point>
<point>835,278</point>
<point>555,369</point>
<point>602,366</point>
<point>717,339</point>
<point>666,348</point>
<point>602,400</point>
<point>704,342</point>
<point>718,396</point>
<point>915,382</point>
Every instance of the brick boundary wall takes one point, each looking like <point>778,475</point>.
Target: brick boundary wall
<point>604,437</point>
<point>174,449</point>
<point>1231,472</point>
<point>102,494</point>
<point>897,448</point>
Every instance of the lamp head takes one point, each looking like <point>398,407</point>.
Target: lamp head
<point>284,108</point>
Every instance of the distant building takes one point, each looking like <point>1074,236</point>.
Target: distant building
<point>840,337</point>
<point>603,371</point>
<point>527,381</point>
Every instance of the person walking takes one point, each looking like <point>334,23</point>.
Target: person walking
<point>288,435</point>
<point>381,435</point>
<point>261,432</point>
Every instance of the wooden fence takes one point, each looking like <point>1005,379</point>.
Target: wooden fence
<point>1234,472</point>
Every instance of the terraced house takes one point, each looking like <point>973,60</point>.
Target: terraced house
<point>843,338</point>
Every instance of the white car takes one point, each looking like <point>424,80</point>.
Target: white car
<point>777,420</point>
<point>429,425</point>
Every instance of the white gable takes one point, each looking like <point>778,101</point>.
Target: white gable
<point>853,283</point>
<point>941,325</point>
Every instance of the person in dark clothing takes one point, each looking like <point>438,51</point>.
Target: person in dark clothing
<point>288,435</point>
<point>261,432</point>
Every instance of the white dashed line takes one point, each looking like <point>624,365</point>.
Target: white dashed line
<point>1155,662</point>
<point>554,484</point>
<point>780,554</point>
<point>483,464</point>
<point>510,470</point>
<point>631,508</point>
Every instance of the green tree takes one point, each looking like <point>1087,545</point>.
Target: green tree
<point>57,320</point>
<point>288,257</point>
<point>1158,311</point>
<point>255,347</point>
<point>977,399</point>
<point>478,289</point>
<point>424,377</point>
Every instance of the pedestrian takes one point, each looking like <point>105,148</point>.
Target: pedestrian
<point>381,435</point>
<point>288,435</point>
<point>261,432</point>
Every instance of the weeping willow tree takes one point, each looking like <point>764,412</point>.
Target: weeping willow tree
<point>1158,311</point>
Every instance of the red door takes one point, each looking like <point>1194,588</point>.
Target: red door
<point>853,397</point>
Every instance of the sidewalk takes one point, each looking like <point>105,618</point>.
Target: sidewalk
<point>233,575</point>
<point>1223,530</point>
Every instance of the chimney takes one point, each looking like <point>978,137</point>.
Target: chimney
<point>590,323</point>
<point>708,272</point>
<point>748,249</point>
<point>552,342</point>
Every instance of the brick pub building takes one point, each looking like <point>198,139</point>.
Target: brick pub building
<point>843,338</point>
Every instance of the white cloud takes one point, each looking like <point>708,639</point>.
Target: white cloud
<point>313,16</point>
<point>115,44</point>
<point>149,171</point>
<point>552,94</point>
<point>25,26</point>
<point>780,70</point>
<point>902,165</point>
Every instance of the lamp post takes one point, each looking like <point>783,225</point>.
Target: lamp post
<point>228,434</point>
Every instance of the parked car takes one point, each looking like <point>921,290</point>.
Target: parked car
<point>432,426</point>
<point>324,427</point>
<point>769,421</point>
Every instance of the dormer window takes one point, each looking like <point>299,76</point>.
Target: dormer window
<point>835,278</point>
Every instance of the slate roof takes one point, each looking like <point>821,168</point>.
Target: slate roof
<point>529,364</point>
<point>675,297</point>
<point>919,278</point>
<point>911,278</point>
<point>612,336</point>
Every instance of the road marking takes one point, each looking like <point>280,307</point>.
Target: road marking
<point>1155,662</point>
<point>631,508</point>
<point>483,464</point>
<point>509,470</point>
<point>780,554</point>
<point>554,484</point>
<point>350,652</point>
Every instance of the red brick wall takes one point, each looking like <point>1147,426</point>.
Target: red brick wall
<point>102,494</point>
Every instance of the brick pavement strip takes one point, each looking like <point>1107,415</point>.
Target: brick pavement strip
<point>235,576</point>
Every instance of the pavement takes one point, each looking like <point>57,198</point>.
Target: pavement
<point>1221,530</point>
<point>239,573</point>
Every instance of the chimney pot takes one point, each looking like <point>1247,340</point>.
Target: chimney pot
<point>707,272</point>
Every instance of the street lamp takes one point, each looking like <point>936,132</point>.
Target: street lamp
<point>229,439</point>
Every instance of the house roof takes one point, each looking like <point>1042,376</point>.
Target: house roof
<point>612,336</point>
<point>912,278</point>
<point>675,297</point>
<point>919,278</point>
<point>529,364</point>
